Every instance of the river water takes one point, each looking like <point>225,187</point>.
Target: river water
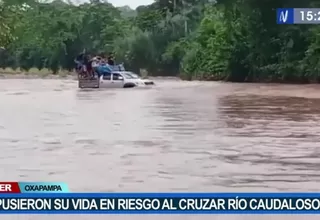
<point>176,137</point>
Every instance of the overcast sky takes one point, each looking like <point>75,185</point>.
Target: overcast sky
<point>132,3</point>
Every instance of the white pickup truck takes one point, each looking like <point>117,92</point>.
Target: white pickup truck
<point>118,79</point>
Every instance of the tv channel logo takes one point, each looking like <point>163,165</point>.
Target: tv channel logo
<point>285,16</point>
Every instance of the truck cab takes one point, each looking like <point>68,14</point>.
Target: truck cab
<point>117,79</point>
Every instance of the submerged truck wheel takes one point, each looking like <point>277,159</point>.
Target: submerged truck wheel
<point>129,85</point>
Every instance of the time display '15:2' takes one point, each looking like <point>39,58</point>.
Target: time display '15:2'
<point>310,16</point>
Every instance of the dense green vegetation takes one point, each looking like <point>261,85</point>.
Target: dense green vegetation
<point>235,40</point>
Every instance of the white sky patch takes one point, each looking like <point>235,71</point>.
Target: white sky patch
<point>131,3</point>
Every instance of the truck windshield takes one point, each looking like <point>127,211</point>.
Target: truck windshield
<point>134,76</point>
<point>128,76</point>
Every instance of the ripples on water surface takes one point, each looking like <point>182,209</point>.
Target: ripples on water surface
<point>178,136</point>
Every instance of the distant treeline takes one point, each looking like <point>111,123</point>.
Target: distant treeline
<point>235,40</point>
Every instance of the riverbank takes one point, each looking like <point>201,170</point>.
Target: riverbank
<point>34,73</point>
<point>70,76</point>
<point>292,80</point>
<point>62,74</point>
<point>244,90</point>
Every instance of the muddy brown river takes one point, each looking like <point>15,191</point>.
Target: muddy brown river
<point>176,137</point>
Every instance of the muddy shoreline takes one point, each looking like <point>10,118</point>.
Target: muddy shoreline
<point>35,76</point>
<point>73,76</point>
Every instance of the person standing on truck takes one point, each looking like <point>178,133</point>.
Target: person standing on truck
<point>111,59</point>
<point>81,60</point>
<point>95,63</point>
<point>88,64</point>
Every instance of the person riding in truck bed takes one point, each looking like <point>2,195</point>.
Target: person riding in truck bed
<point>111,59</point>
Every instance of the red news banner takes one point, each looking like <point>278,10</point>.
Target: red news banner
<point>9,187</point>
